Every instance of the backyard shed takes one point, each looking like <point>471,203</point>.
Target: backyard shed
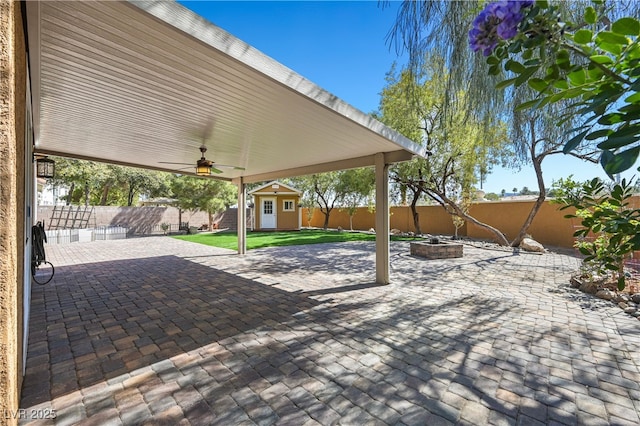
<point>276,207</point>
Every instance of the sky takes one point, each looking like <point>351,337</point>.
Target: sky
<point>342,47</point>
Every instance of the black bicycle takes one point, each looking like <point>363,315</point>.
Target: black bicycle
<point>42,270</point>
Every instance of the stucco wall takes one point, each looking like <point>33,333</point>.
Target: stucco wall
<point>12,109</point>
<point>433,220</point>
<point>549,226</point>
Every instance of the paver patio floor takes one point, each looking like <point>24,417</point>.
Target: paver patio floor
<point>160,331</point>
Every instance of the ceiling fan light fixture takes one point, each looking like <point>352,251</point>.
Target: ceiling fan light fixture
<point>203,168</point>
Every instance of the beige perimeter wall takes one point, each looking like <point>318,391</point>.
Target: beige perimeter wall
<point>549,226</point>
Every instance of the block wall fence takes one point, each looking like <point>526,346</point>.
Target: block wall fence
<point>549,226</point>
<point>140,220</point>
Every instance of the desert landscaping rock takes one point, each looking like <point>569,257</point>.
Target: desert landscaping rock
<point>529,244</point>
<point>605,294</point>
<point>627,302</point>
<point>589,287</point>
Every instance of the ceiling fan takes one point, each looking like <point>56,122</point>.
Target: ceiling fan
<point>205,167</point>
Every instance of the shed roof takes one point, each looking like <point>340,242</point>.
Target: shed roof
<point>147,83</point>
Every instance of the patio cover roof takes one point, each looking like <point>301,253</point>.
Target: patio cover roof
<point>142,83</point>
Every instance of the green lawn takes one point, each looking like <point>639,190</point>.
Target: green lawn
<point>255,240</point>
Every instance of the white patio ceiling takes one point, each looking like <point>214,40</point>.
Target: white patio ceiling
<point>143,83</point>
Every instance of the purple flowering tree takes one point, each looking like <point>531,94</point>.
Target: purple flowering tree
<point>592,65</point>
<point>497,22</point>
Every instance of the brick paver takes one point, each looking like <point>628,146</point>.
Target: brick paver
<point>160,331</point>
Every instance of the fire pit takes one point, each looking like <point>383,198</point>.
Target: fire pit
<point>435,249</point>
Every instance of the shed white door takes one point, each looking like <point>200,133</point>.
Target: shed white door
<point>268,213</point>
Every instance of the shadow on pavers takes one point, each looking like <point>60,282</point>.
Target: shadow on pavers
<point>98,321</point>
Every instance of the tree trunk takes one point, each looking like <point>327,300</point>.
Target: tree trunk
<point>537,166</point>
<point>414,212</point>
<point>86,194</point>
<point>322,201</point>
<point>525,226</point>
<point>351,222</point>
<point>70,194</point>
<point>499,236</point>
<point>326,219</point>
<point>534,209</point>
<point>130,196</point>
<point>445,201</point>
<point>105,195</point>
<point>210,221</point>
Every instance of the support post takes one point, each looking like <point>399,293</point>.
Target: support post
<point>242,216</point>
<point>382,219</point>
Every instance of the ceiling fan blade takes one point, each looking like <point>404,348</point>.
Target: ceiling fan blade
<point>214,170</point>
<point>180,164</point>
<point>228,166</point>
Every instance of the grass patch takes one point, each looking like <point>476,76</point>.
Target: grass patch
<point>229,240</point>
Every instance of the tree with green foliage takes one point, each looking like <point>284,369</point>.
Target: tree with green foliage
<point>329,190</point>
<point>134,182</point>
<point>400,108</point>
<point>318,190</point>
<point>358,186</point>
<point>108,184</point>
<point>458,146</point>
<point>203,194</point>
<point>590,64</point>
<point>536,137</point>
<point>79,176</point>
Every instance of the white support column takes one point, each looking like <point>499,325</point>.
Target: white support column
<point>382,220</point>
<point>242,216</point>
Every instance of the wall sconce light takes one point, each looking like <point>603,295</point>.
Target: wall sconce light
<point>45,168</point>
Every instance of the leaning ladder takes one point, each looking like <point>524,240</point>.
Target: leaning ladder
<point>66,217</point>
